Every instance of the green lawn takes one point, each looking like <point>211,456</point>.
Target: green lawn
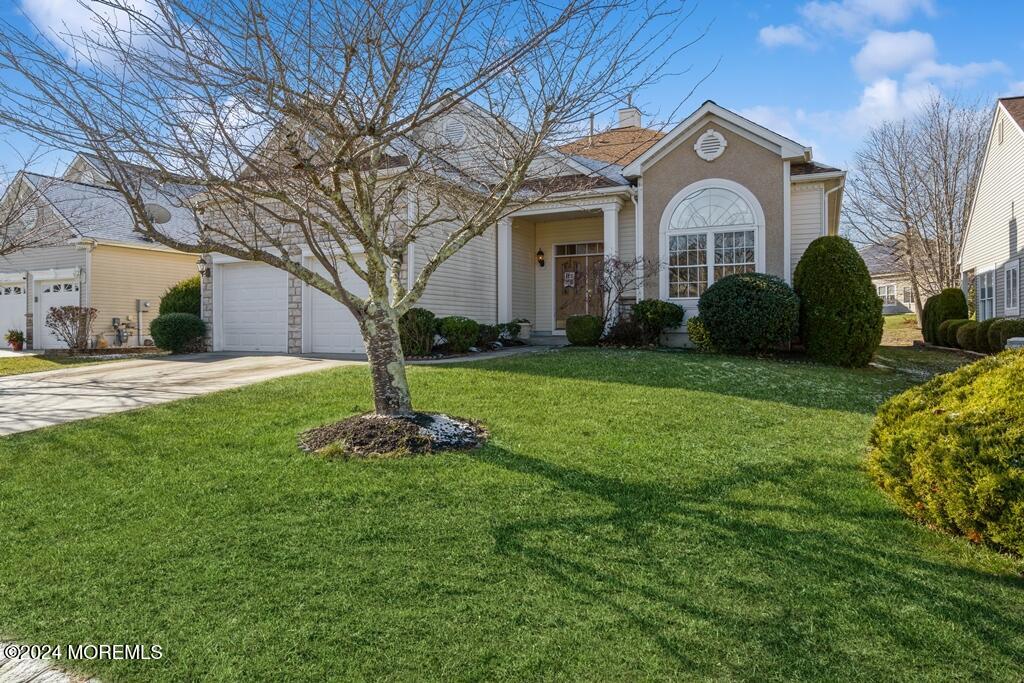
<point>20,365</point>
<point>901,330</point>
<point>636,515</point>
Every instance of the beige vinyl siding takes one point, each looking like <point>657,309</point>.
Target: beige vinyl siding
<point>524,259</point>
<point>548,235</point>
<point>993,236</point>
<point>120,275</point>
<point>43,258</point>
<point>808,214</point>
<point>627,232</point>
<point>467,283</point>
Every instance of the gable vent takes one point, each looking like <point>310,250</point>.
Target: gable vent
<point>710,145</point>
<point>454,131</point>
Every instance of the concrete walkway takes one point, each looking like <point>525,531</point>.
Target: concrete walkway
<point>34,670</point>
<point>42,399</point>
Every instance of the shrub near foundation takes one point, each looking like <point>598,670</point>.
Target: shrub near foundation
<point>584,330</point>
<point>966,336</point>
<point>749,313</point>
<point>460,333</point>
<point>1003,331</point>
<point>949,304</point>
<point>949,452</point>
<point>949,336</point>
<point>981,336</point>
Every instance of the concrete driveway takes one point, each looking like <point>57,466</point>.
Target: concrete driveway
<point>48,398</point>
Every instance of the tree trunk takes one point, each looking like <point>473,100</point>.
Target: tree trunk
<point>387,364</point>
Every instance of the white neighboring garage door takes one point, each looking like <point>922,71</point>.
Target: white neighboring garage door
<point>53,295</point>
<point>332,328</point>
<point>12,306</point>
<point>253,308</point>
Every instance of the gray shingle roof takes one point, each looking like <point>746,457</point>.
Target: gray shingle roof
<point>880,259</point>
<point>101,213</point>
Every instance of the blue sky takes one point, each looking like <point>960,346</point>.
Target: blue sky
<point>820,71</point>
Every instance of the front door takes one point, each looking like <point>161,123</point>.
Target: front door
<point>578,280</point>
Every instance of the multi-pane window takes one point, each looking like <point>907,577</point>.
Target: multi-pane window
<point>687,265</point>
<point>11,290</point>
<point>908,295</point>
<point>887,293</point>
<point>986,295</point>
<point>1011,291</point>
<point>711,234</point>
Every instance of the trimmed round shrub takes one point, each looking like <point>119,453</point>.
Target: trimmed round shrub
<point>840,312</point>
<point>486,335</point>
<point>949,304</point>
<point>949,451</point>
<point>182,297</point>
<point>654,316</point>
<point>981,336</point>
<point>1007,329</point>
<point>177,332</point>
<point>584,330</point>
<point>749,313</point>
<point>625,332</point>
<point>699,336</point>
<point>966,336</point>
<point>510,331</point>
<point>949,336</point>
<point>459,332</point>
<point>416,331</point>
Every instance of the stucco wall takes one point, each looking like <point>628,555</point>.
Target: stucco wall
<point>745,162</point>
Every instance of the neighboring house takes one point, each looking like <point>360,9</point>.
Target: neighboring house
<point>890,278</point>
<point>714,195</point>
<point>992,249</point>
<point>93,258</point>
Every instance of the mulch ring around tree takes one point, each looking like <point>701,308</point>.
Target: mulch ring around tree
<point>384,436</point>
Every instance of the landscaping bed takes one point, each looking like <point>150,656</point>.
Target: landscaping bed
<point>634,515</point>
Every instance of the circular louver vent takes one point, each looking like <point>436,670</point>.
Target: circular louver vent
<point>710,146</point>
<point>454,130</point>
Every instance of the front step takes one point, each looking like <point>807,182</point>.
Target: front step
<point>548,340</point>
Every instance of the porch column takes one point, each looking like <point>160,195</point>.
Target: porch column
<point>611,249</point>
<point>504,270</point>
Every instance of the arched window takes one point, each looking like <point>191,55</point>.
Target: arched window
<point>711,231</point>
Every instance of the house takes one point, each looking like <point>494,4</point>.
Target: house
<point>890,278</point>
<point>992,251</point>
<point>91,257</point>
<point>715,194</point>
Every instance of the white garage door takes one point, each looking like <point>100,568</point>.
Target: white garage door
<point>12,307</point>
<point>253,308</point>
<point>332,327</point>
<point>53,295</point>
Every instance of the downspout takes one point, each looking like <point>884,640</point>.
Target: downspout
<point>837,188</point>
<point>638,231</point>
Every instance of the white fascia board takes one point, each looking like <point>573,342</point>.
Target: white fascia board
<point>786,148</point>
<point>817,177</point>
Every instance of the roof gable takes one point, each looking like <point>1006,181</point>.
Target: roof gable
<point>786,148</point>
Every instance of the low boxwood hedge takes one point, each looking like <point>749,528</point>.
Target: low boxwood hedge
<point>981,338</point>
<point>948,338</point>
<point>949,304</point>
<point>459,332</point>
<point>750,313</point>
<point>966,336</point>
<point>949,451</point>
<point>177,332</point>
<point>416,331</point>
<point>1003,331</point>
<point>654,316</point>
<point>584,330</point>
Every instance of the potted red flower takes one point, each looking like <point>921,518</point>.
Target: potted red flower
<point>15,339</point>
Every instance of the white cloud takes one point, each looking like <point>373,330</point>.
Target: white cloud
<point>1015,89</point>
<point>887,52</point>
<point>952,75</point>
<point>887,100</point>
<point>64,21</point>
<point>776,36</point>
<point>853,17</point>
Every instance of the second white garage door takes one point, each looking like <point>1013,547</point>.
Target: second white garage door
<point>12,306</point>
<point>253,308</point>
<point>331,328</point>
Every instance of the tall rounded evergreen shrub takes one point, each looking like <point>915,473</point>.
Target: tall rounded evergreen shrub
<point>949,451</point>
<point>949,304</point>
<point>177,332</point>
<point>749,313</point>
<point>840,312</point>
<point>182,297</point>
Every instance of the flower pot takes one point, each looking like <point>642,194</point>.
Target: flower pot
<point>524,331</point>
<point>16,346</point>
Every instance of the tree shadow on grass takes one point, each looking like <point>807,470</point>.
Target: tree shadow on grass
<point>790,381</point>
<point>805,585</point>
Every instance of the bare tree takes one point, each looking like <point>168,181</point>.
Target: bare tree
<point>616,279</point>
<point>911,190</point>
<point>319,126</point>
<point>24,219</point>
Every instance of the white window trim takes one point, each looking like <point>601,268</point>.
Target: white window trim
<point>1015,267</point>
<point>991,271</point>
<point>670,208</point>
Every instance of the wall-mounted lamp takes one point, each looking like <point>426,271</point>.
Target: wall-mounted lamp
<point>540,257</point>
<point>203,266</point>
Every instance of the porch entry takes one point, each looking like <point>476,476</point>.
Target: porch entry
<point>578,288</point>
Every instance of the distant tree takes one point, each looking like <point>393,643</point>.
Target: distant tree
<point>911,188</point>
